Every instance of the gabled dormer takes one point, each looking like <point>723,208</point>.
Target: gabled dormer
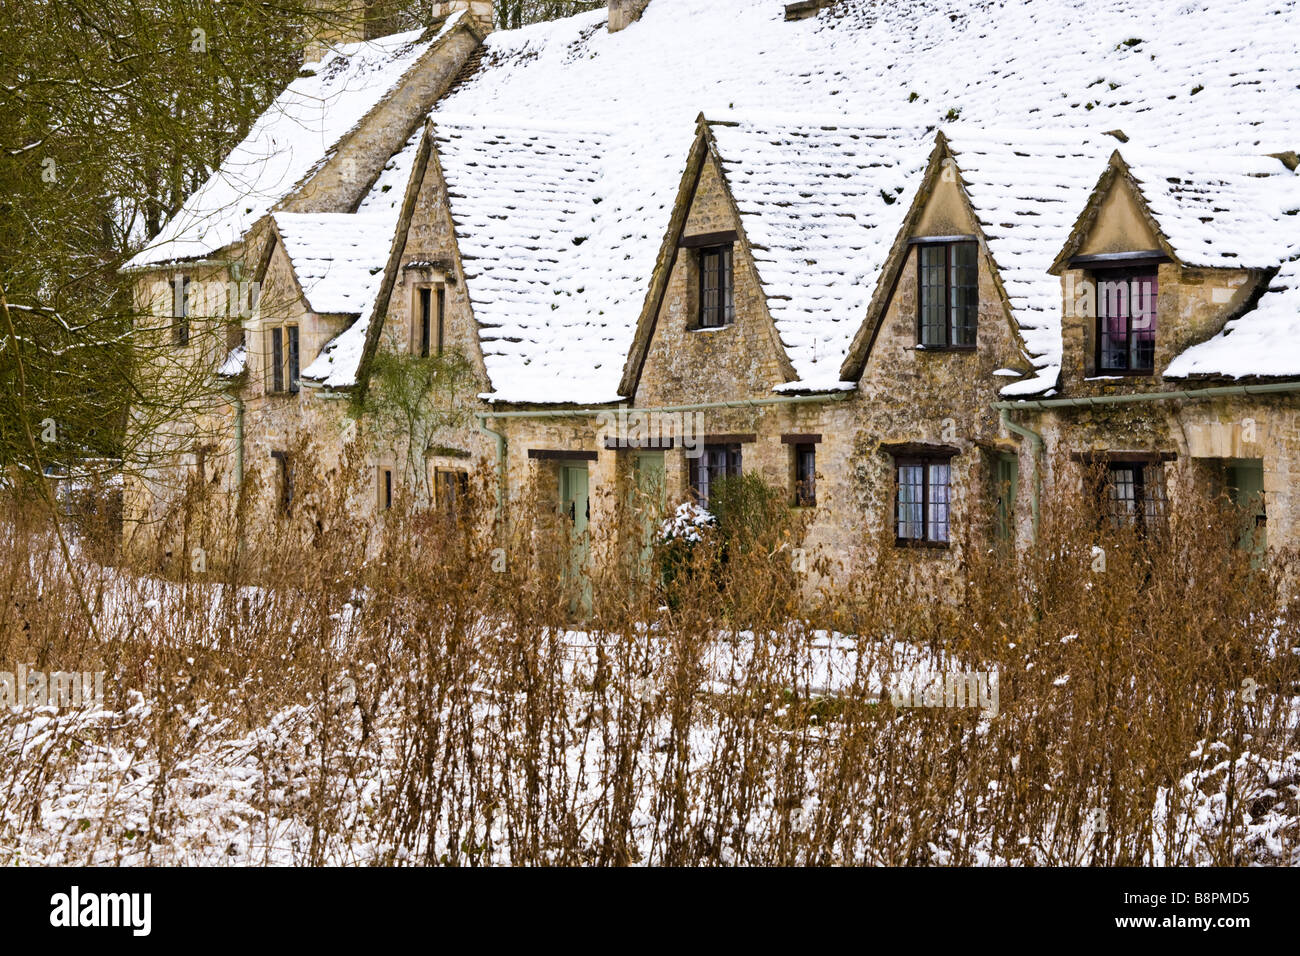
<point>939,314</point>
<point>1160,259</point>
<point>705,333</point>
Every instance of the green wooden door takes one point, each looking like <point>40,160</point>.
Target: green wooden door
<point>1246,479</point>
<point>650,501</point>
<point>575,503</point>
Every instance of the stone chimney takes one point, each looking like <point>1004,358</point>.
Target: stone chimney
<point>347,21</point>
<point>803,9</point>
<point>333,22</point>
<point>480,11</point>
<point>623,13</point>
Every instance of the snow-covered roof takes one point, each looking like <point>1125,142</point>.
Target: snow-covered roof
<point>1260,343</point>
<point>339,260</point>
<point>579,180</point>
<point>820,205</point>
<point>290,140</point>
<point>1219,208</point>
<point>338,257</point>
<point>538,254</point>
<point>1026,188</point>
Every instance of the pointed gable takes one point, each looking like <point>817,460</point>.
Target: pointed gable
<point>1203,210</point>
<point>819,203</point>
<point>1015,190</point>
<point>296,136</point>
<point>677,356</point>
<point>353,270</point>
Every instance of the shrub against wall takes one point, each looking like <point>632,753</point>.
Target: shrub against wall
<point>432,701</point>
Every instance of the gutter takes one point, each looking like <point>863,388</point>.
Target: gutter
<point>1134,398</point>
<point>1130,398</point>
<point>608,409</point>
<point>698,407</point>
<point>175,264</point>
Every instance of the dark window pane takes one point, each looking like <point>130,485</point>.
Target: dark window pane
<point>425,319</point>
<point>805,473</point>
<point>717,461</point>
<point>181,311</point>
<point>726,283</point>
<point>292,332</point>
<point>277,360</point>
<point>717,307</point>
<point>965,293</point>
<point>1142,322</point>
<point>911,502</point>
<point>934,295</point>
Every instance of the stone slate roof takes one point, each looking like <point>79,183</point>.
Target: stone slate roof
<point>1260,344</point>
<point>297,133</point>
<point>1214,78</point>
<point>564,151</point>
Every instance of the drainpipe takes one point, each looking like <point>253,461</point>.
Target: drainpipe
<point>1130,398</point>
<point>1035,454</point>
<point>501,461</point>
<point>239,443</point>
<point>589,412</point>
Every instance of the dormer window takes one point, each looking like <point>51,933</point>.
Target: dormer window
<point>714,306</point>
<point>948,299</point>
<point>717,300</point>
<point>430,318</point>
<point>1126,321</point>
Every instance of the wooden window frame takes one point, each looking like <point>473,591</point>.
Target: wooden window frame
<point>284,359</point>
<point>460,477</point>
<point>949,286</point>
<point>181,312</point>
<point>733,467</point>
<point>1128,274</point>
<point>805,486</point>
<point>285,463</point>
<point>925,461</point>
<point>723,313</point>
<point>1146,518</point>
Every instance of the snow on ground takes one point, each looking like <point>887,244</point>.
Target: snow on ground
<point>248,798</point>
<point>226,795</point>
